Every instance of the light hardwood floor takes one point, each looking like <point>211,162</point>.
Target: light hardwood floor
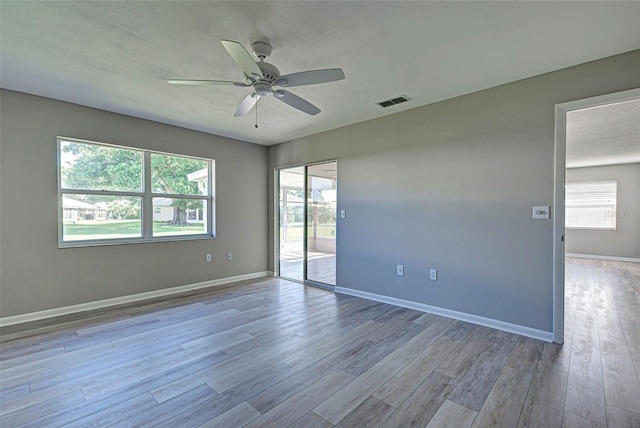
<point>271,353</point>
<point>321,267</point>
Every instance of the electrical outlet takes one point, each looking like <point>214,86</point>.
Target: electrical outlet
<point>229,257</point>
<point>400,270</point>
<point>433,274</point>
<point>208,258</point>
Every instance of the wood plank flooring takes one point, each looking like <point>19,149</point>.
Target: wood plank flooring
<point>272,353</point>
<point>321,267</point>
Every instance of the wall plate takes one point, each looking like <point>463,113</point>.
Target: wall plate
<point>540,212</point>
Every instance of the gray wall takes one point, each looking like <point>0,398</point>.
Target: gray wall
<point>625,240</point>
<point>450,186</point>
<point>36,275</point>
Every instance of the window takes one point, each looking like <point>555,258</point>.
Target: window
<point>110,194</point>
<point>591,205</point>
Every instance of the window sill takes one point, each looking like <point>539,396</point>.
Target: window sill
<point>78,244</point>
<point>590,228</point>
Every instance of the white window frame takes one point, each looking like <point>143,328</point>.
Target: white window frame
<point>146,195</point>
<point>603,197</point>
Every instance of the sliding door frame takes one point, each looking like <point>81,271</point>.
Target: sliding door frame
<point>276,225</point>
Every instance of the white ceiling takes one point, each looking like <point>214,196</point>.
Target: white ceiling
<point>604,135</point>
<point>116,55</point>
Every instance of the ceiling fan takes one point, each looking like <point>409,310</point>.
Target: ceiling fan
<point>263,77</point>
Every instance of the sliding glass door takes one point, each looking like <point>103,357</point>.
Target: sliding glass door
<point>321,222</point>
<point>292,223</point>
<point>307,223</point>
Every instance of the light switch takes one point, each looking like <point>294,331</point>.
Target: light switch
<point>540,212</point>
<point>343,213</point>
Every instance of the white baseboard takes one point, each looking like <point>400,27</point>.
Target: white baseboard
<point>65,310</point>
<point>612,258</point>
<point>546,336</point>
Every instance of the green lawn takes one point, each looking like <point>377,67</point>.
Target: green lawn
<point>96,229</point>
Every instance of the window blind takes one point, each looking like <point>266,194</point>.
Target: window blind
<point>591,205</point>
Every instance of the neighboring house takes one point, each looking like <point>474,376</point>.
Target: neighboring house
<point>163,212</point>
<point>162,209</point>
<point>202,178</point>
<point>77,210</point>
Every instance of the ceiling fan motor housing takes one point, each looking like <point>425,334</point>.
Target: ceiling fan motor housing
<point>269,75</point>
<point>269,71</point>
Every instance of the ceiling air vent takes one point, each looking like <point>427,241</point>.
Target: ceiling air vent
<point>393,101</point>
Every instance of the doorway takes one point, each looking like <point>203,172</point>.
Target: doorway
<point>559,232</point>
<point>306,232</point>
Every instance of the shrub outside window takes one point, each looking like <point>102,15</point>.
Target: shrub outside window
<point>110,195</point>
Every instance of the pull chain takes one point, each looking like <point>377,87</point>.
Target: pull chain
<point>257,110</point>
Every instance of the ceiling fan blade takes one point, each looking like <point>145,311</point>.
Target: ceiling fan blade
<point>205,82</point>
<point>242,58</point>
<point>296,102</point>
<point>310,77</point>
<point>246,105</point>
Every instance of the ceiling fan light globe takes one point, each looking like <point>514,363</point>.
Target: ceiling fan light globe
<point>262,89</point>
